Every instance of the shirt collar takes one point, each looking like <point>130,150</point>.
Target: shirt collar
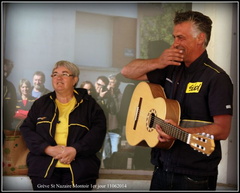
<point>198,63</point>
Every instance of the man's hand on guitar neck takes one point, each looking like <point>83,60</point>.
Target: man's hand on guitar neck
<point>163,137</point>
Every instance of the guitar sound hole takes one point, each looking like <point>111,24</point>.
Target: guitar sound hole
<point>150,120</point>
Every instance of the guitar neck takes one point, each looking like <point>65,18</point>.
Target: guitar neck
<point>170,129</point>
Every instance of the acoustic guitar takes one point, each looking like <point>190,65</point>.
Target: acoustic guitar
<point>148,107</point>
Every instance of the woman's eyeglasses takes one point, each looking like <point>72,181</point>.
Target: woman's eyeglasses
<point>65,74</point>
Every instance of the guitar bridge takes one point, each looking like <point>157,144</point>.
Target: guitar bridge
<point>137,113</point>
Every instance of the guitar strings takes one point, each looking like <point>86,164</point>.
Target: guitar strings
<point>179,134</point>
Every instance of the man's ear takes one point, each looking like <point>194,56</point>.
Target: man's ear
<point>201,38</point>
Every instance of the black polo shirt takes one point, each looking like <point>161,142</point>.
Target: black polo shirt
<point>203,91</point>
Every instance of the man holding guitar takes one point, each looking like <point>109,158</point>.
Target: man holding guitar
<point>204,92</point>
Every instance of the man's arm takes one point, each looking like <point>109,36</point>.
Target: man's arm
<point>220,128</point>
<point>138,68</point>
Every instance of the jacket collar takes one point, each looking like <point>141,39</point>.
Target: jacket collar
<point>79,94</point>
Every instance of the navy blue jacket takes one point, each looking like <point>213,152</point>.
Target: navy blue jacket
<point>87,129</point>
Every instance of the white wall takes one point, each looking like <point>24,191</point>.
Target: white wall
<point>35,34</point>
<point>40,34</point>
<point>93,43</point>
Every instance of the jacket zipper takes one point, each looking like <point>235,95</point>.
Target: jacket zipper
<point>46,174</point>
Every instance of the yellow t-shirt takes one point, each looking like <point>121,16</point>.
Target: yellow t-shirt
<point>62,127</point>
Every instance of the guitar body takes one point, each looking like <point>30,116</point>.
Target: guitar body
<point>149,99</point>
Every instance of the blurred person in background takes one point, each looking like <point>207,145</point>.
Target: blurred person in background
<point>38,88</point>
<point>24,102</point>
<point>114,126</point>
<point>88,85</point>
<point>9,96</point>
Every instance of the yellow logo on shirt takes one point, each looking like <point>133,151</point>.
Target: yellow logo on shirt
<point>193,87</point>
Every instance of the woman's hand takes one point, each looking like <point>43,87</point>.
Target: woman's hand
<point>67,155</point>
<point>53,151</point>
<point>62,153</point>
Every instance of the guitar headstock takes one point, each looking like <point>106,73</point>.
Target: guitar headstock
<point>202,142</point>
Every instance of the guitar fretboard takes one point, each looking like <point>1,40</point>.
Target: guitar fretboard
<point>170,129</point>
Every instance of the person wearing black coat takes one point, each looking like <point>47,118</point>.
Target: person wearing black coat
<point>64,130</point>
